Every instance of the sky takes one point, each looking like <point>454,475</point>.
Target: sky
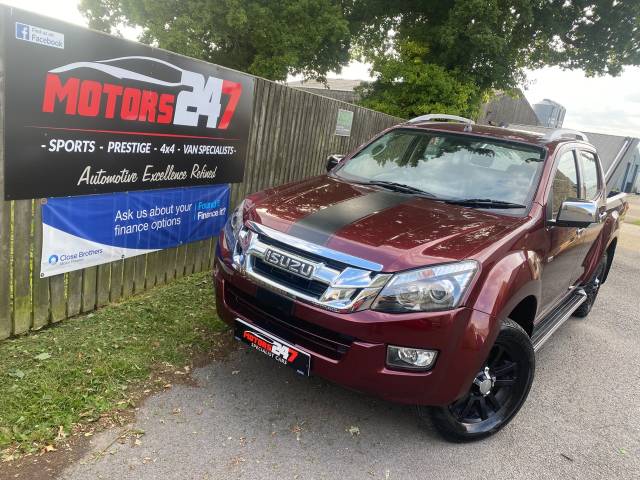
<point>601,104</point>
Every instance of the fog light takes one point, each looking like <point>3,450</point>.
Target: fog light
<point>410,358</point>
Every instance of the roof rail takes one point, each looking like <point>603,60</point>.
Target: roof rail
<point>441,116</point>
<point>559,133</point>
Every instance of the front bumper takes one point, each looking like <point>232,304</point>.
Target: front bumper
<point>350,349</point>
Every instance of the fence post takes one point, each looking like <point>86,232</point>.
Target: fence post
<point>5,216</point>
<point>22,217</point>
<point>40,286</point>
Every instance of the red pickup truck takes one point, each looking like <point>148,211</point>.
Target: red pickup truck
<point>427,267</point>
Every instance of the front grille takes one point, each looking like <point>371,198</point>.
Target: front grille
<point>355,282</point>
<point>309,287</point>
<point>274,313</point>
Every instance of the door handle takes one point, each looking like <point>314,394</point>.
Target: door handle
<point>580,232</point>
<point>602,216</point>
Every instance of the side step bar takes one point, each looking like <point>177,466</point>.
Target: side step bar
<point>555,319</point>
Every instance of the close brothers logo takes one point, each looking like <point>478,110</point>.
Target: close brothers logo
<point>196,96</point>
<point>74,257</point>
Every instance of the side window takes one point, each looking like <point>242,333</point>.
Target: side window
<point>589,177</point>
<point>565,182</point>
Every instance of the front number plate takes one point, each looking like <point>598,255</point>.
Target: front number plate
<point>273,347</point>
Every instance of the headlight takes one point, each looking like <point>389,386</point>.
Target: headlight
<point>429,289</point>
<point>233,226</point>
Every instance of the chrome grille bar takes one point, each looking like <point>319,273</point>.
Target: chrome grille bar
<point>352,288</point>
<point>316,249</point>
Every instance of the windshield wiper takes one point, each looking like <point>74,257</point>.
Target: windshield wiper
<point>484,203</point>
<point>399,187</point>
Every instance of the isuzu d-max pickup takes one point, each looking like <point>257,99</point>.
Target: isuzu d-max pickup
<point>427,267</point>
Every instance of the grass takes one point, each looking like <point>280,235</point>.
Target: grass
<point>636,222</point>
<point>53,380</point>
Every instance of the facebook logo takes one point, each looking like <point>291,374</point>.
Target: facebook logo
<point>39,35</point>
<point>22,31</point>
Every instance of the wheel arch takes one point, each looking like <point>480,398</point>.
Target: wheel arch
<point>524,313</point>
<point>610,251</point>
<point>513,287</point>
<point>510,285</point>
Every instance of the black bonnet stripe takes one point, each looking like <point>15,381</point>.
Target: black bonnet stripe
<point>320,226</point>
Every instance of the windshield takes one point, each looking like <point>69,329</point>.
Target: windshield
<point>449,166</point>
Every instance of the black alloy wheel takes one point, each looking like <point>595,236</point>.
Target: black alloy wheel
<point>497,392</point>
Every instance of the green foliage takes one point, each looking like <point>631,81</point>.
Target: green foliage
<point>408,87</point>
<point>487,43</point>
<point>427,55</point>
<point>268,38</point>
<point>75,371</point>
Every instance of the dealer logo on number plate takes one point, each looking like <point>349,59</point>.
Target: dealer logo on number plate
<point>273,347</point>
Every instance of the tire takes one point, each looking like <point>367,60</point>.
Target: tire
<point>592,287</point>
<point>494,399</point>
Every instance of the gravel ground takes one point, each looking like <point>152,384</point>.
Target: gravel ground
<point>250,418</point>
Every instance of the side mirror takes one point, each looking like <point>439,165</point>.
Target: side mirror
<point>333,160</point>
<point>577,213</point>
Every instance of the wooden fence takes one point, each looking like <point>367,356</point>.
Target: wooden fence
<point>292,133</point>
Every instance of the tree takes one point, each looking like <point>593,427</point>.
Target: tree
<point>268,38</point>
<point>408,87</point>
<point>427,55</point>
<point>419,45</point>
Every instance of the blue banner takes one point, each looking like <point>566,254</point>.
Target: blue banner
<point>80,232</point>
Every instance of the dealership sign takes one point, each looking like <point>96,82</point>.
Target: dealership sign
<point>80,232</point>
<point>90,113</point>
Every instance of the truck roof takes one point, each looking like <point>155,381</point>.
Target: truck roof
<point>501,133</point>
